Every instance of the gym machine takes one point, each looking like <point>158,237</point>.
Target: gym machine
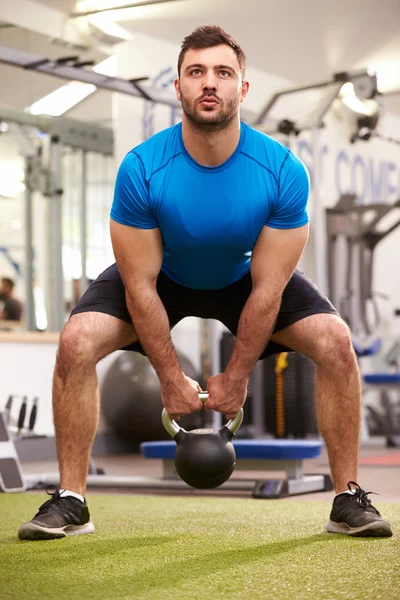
<point>353,234</point>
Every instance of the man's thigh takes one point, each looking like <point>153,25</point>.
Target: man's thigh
<point>303,312</point>
<point>307,335</point>
<point>106,295</point>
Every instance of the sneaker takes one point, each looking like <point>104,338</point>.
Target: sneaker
<point>354,515</point>
<point>58,517</point>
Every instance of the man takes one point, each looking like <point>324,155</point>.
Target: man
<point>209,219</point>
<point>12,309</point>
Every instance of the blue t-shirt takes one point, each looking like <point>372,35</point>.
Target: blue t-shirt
<point>210,217</point>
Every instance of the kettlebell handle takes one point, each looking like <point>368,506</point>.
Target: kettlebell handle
<point>173,428</point>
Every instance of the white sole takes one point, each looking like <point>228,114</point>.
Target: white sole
<point>375,529</point>
<point>32,531</point>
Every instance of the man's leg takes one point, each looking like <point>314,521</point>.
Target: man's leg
<point>86,338</point>
<point>326,340</point>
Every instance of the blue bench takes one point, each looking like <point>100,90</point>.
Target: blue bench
<point>382,383</point>
<point>383,379</point>
<point>261,456</point>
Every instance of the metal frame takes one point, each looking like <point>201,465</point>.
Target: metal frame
<point>11,474</point>
<point>30,319</point>
<point>83,221</point>
<point>345,221</point>
<point>69,132</point>
<point>45,174</point>
<point>294,482</point>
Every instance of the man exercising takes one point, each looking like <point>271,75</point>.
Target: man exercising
<point>209,219</point>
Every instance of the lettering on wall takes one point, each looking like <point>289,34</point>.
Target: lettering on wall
<point>373,179</point>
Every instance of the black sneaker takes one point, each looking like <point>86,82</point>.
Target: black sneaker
<point>354,515</point>
<point>56,518</point>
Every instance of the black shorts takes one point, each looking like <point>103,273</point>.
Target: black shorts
<point>301,298</point>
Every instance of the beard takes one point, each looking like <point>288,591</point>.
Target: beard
<point>216,119</point>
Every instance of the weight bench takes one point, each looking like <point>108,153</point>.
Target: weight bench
<point>256,455</point>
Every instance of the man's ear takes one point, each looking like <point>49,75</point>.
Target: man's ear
<point>245,90</point>
<point>177,86</point>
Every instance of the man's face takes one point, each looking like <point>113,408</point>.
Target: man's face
<point>210,86</point>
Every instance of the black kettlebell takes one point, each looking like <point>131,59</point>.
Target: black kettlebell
<point>204,458</point>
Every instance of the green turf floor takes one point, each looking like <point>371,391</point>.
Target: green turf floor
<point>188,548</point>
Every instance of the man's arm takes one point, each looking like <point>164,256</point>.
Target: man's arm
<point>138,253</point>
<point>274,258</point>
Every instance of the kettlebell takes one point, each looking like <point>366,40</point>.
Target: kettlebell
<point>204,458</point>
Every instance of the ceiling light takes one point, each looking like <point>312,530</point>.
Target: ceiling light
<point>3,127</point>
<point>362,107</point>
<point>351,100</point>
<point>62,99</point>
<point>347,89</point>
<point>67,96</point>
<point>16,224</point>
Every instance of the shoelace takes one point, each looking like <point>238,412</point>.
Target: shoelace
<point>362,496</point>
<point>55,497</point>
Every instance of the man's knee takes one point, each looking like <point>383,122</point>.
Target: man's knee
<point>77,346</point>
<point>334,344</point>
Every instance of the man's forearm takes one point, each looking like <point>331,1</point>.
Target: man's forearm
<point>255,328</point>
<point>152,327</point>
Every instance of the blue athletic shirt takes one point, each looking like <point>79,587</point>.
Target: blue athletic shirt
<point>210,217</point>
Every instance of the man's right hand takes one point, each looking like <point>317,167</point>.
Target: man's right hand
<point>181,396</point>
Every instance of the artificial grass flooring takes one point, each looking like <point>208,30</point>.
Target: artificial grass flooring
<point>154,547</point>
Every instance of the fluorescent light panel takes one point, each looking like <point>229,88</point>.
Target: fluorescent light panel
<point>64,98</point>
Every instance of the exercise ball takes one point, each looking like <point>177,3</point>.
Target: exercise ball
<point>131,398</point>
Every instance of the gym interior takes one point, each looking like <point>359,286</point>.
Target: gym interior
<point>84,82</point>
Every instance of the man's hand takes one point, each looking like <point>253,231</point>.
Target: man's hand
<point>181,396</point>
<point>226,395</point>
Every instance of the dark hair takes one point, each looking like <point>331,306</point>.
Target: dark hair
<point>8,281</point>
<point>207,37</point>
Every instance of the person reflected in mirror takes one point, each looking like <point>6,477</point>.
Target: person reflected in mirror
<point>12,309</point>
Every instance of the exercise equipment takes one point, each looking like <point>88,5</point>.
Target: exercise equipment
<point>280,395</point>
<point>387,422</point>
<point>354,235</point>
<point>383,420</point>
<point>262,456</point>
<point>131,398</point>
<point>19,425</point>
<point>253,455</point>
<point>11,474</point>
<point>204,458</point>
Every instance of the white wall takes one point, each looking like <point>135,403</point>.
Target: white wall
<point>27,370</point>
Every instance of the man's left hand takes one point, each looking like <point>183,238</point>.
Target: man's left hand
<point>226,395</point>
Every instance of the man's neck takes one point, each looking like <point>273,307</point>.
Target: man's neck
<point>210,148</point>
